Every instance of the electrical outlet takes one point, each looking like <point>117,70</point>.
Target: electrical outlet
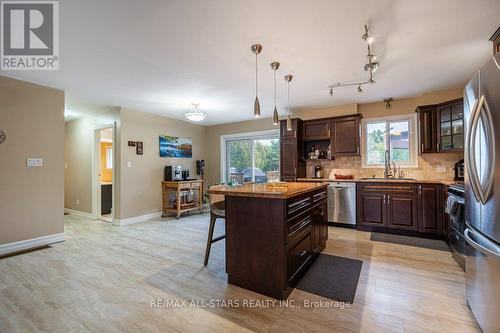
<point>441,168</point>
<point>65,165</point>
<point>129,164</point>
<point>34,162</point>
<point>78,201</point>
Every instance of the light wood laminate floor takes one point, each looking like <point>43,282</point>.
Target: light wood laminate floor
<point>104,279</point>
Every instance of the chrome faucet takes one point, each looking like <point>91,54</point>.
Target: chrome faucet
<point>387,168</point>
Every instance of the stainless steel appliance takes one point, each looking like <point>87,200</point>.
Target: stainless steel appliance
<point>342,203</point>
<point>173,172</point>
<point>482,202</point>
<point>185,174</point>
<point>455,209</point>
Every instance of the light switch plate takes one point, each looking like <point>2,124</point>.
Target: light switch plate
<point>34,162</point>
<point>441,168</point>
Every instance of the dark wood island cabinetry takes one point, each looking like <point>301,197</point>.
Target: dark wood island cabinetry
<point>273,234</point>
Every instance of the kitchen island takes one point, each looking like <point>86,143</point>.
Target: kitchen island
<point>274,232</point>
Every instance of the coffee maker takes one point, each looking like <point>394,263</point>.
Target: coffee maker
<point>317,172</point>
<point>173,173</point>
<point>459,170</point>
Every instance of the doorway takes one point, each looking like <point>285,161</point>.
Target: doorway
<point>104,172</point>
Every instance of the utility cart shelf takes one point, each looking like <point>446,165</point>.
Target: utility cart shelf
<point>182,196</point>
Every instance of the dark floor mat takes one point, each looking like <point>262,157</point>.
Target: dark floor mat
<point>433,244</point>
<point>332,277</point>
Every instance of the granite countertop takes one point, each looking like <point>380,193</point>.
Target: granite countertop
<point>370,180</point>
<point>281,190</point>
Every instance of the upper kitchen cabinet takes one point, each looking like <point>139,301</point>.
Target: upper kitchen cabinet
<point>292,165</point>
<point>495,39</point>
<point>450,126</point>
<point>345,136</point>
<point>316,130</point>
<point>441,127</point>
<point>427,128</point>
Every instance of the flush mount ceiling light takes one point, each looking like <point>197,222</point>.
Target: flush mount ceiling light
<point>195,115</point>
<point>289,125</point>
<point>274,66</point>
<point>370,67</point>
<point>256,49</point>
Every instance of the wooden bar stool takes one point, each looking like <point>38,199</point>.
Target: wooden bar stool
<point>217,211</point>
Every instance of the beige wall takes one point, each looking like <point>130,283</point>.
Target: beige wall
<point>78,141</point>
<point>31,199</point>
<point>427,165</point>
<point>140,183</point>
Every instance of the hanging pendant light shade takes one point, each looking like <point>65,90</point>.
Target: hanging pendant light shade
<point>256,49</point>
<point>274,66</point>
<point>289,124</point>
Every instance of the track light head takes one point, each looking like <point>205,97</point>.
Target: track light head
<point>330,91</point>
<point>359,89</point>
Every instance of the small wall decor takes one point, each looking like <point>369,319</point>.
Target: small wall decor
<point>139,148</point>
<point>3,136</point>
<point>172,146</point>
<point>131,143</point>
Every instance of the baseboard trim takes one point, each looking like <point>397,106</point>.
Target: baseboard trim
<point>78,213</point>
<point>137,219</point>
<point>24,245</point>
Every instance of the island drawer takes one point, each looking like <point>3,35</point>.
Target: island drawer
<point>298,256</point>
<point>297,205</point>
<point>298,229</point>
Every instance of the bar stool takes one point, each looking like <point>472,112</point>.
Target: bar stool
<point>217,211</point>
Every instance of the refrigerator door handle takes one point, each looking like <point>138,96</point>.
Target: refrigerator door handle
<point>470,152</point>
<point>482,244</point>
<point>487,120</point>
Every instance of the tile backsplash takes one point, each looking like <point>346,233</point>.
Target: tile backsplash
<point>430,167</point>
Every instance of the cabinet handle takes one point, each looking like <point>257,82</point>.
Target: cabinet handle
<point>420,189</point>
<point>437,147</point>
<point>358,150</point>
<point>302,253</point>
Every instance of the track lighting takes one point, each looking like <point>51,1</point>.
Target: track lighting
<point>366,36</point>
<point>371,67</point>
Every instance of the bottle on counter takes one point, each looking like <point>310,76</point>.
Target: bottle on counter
<point>329,152</point>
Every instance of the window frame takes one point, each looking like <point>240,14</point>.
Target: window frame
<point>109,158</point>
<point>224,139</point>
<point>412,137</point>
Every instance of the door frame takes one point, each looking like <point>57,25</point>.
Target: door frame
<point>241,136</point>
<point>96,162</point>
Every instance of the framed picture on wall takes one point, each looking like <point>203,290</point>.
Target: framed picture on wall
<point>172,146</point>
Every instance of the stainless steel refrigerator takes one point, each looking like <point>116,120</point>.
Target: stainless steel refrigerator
<point>482,194</point>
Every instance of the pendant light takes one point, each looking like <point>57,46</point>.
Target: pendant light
<point>256,49</point>
<point>274,66</point>
<point>289,125</point>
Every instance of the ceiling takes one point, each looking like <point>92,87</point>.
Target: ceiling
<point>160,56</point>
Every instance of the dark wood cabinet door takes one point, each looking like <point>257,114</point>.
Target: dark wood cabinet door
<point>288,159</point>
<point>402,211</point>
<point>285,133</point>
<point>431,209</point>
<point>324,223</point>
<point>345,139</point>
<point>371,209</point>
<point>427,129</point>
<point>316,130</point>
<point>316,228</point>
<point>450,134</point>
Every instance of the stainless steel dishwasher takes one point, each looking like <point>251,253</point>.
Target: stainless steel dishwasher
<point>342,203</point>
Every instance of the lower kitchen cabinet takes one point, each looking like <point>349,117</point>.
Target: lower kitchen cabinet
<point>400,207</point>
<point>430,208</point>
<point>402,211</point>
<point>371,210</point>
